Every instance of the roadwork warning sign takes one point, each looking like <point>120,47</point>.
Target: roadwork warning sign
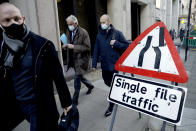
<point>162,101</point>
<point>153,54</point>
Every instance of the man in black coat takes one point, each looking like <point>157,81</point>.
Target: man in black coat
<point>110,44</point>
<point>29,65</point>
<point>181,34</point>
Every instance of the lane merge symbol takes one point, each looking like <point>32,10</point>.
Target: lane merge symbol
<point>153,54</point>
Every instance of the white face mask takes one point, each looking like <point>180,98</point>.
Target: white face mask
<point>104,26</point>
<point>71,27</point>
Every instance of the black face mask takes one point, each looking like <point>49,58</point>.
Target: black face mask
<point>15,31</point>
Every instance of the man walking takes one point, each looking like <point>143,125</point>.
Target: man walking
<point>181,34</point>
<point>78,55</point>
<point>28,66</point>
<point>110,43</point>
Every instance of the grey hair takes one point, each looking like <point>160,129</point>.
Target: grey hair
<point>108,17</point>
<point>72,18</point>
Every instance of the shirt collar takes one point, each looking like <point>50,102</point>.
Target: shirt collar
<point>75,30</point>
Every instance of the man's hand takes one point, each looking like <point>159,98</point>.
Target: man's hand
<point>64,46</point>
<point>70,46</point>
<point>112,42</point>
<point>67,109</point>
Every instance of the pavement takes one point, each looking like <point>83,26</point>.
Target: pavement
<point>92,107</point>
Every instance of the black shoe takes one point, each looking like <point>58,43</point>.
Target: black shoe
<point>89,90</point>
<point>108,112</point>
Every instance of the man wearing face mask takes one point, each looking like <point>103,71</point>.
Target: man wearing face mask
<point>109,45</point>
<point>78,55</point>
<point>29,65</point>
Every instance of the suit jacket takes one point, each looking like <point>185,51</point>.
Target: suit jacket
<point>81,51</point>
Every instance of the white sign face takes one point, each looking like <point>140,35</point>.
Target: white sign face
<point>162,101</point>
<point>151,54</point>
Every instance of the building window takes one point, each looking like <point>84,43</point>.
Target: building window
<point>158,4</point>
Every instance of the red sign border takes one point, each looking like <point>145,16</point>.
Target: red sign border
<point>181,78</point>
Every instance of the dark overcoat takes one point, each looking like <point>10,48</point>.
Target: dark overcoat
<point>108,54</point>
<point>47,69</point>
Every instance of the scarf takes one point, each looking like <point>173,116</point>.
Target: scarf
<point>15,47</point>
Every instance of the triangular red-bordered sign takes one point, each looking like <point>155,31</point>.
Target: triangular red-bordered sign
<point>156,46</point>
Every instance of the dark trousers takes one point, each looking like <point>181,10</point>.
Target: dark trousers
<point>181,39</point>
<point>30,113</point>
<point>77,85</point>
<point>107,77</point>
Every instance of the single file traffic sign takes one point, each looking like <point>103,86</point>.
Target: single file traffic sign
<point>153,54</point>
<point>159,100</point>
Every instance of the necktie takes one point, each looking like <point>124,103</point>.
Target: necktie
<point>72,38</point>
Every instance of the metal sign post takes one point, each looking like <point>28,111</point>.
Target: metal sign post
<point>188,29</point>
<point>114,114</point>
<point>176,84</point>
<point>164,122</point>
<point>115,111</point>
<point>113,117</point>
